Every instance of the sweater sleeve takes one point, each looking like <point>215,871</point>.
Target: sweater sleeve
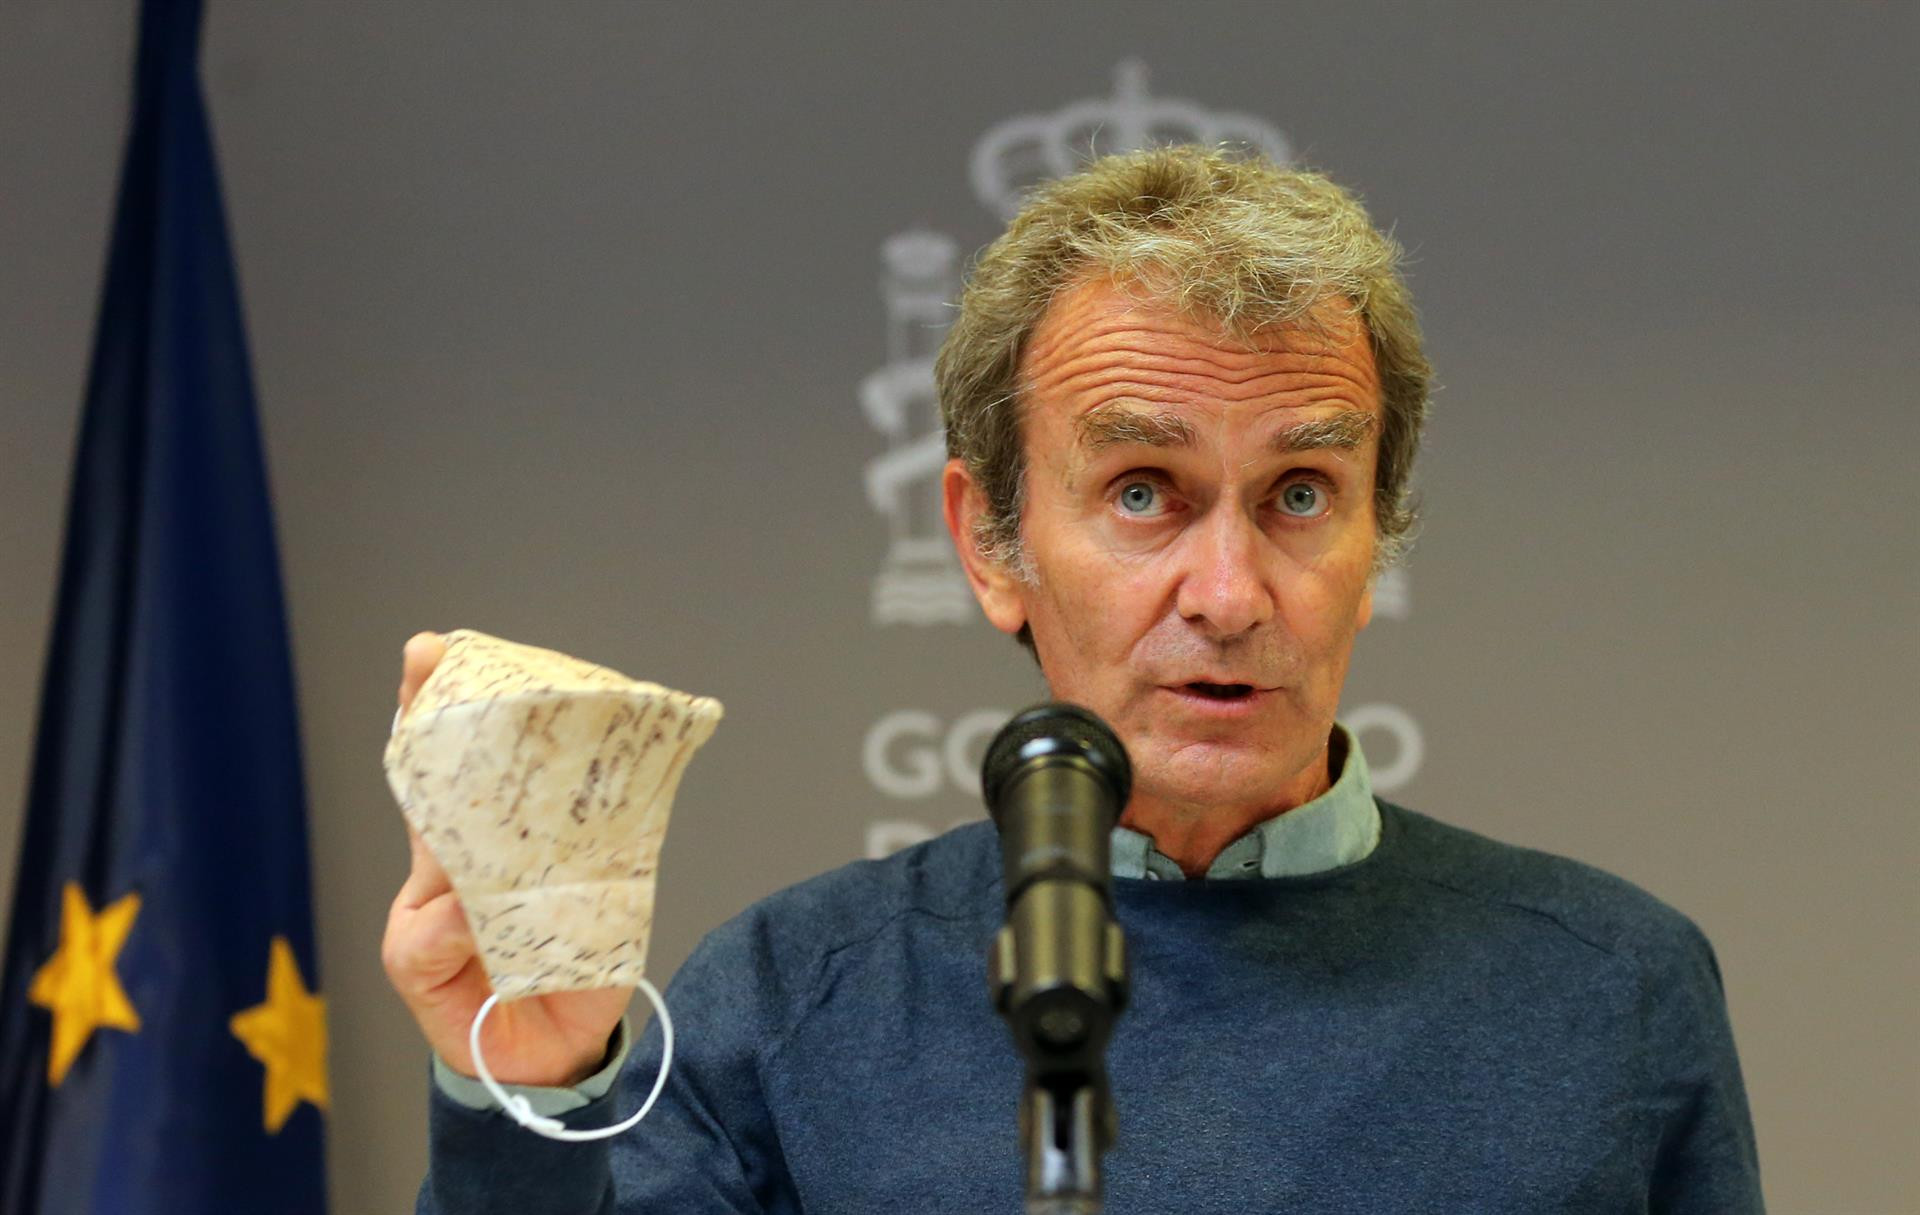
<point>707,1148</point>
<point>1705,1159</point>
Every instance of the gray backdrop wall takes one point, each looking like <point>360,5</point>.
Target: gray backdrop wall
<point>588,325</point>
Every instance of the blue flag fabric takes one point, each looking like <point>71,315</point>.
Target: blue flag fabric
<point>162,1035</point>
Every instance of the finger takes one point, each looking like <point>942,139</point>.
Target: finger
<point>421,654</point>
<point>428,946</point>
<point>426,879</point>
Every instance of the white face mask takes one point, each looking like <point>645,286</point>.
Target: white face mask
<point>542,784</point>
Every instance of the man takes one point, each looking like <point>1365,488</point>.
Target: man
<point>1183,396</point>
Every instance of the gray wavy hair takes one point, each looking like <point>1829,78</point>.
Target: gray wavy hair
<point>1231,240</point>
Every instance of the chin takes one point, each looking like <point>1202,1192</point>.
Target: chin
<point>1230,768</point>
<point>1213,774</point>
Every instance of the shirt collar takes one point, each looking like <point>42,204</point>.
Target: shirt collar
<point>1337,828</point>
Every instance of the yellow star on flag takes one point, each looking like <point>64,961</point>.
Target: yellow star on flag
<point>288,1034</point>
<point>78,984</point>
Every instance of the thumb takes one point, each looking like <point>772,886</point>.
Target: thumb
<point>418,658</point>
<point>426,879</point>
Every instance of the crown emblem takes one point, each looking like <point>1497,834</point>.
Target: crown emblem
<point>1015,155</point>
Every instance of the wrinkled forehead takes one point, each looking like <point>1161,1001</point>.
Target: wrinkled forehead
<point>1145,369</point>
<point>1129,323</point>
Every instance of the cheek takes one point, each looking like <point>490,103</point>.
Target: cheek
<point>1093,616</point>
<point>1080,620</point>
<point>1324,608</point>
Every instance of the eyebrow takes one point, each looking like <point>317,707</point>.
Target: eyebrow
<point>1347,429</point>
<point>1116,423</point>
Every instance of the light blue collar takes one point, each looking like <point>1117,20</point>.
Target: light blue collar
<point>1337,828</point>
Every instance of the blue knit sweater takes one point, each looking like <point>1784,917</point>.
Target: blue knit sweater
<point>1451,1024</point>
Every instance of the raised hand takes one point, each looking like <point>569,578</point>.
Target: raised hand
<point>433,961</point>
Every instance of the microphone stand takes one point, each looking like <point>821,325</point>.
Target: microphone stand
<point>1057,970</point>
<point>1060,1024</point>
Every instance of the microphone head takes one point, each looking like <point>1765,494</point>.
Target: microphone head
<point>1055,732</point>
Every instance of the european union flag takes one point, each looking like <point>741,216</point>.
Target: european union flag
<point>162,1042</point>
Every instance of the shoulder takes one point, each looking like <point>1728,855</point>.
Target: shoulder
<point>1601,910</point>
<point>951,876</point>
<point>786,940</point>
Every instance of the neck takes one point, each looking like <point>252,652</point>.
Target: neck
<point>1193,834</point>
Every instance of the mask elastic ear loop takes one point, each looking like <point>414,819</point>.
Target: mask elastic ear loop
<point>521,1110</point>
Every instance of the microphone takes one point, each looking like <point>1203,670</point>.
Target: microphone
<point>1055,779</point>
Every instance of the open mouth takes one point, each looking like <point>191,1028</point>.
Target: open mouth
<point>1221,691</point>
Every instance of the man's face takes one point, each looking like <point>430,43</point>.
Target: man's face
<point>1200,524</point>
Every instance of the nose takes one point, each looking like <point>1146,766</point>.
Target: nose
<point>1224,587</point>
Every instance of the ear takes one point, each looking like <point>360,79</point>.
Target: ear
<point>1365,615</point>
<point>997,590</point>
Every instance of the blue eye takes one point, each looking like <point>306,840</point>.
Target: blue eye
<point>1140,498</point>
<point>1303,500</point>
